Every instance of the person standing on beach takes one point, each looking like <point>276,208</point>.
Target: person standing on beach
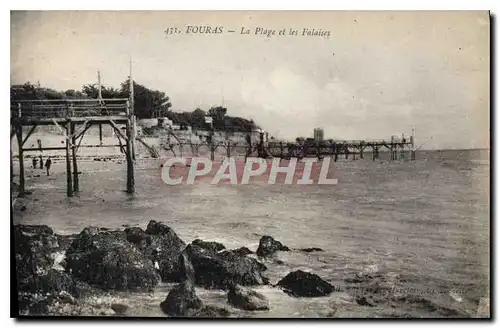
<point>41,161</point>
<point>48,163</point>
<point>34,162</point>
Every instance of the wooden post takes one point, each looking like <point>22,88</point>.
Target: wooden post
<point>11,172</point>
<point>134,134</point>
<point>19,134</point>
<point>100,134</point>
<point>412,144</point>
<point>131,111</point>
<point>69,178</point>
<point>76,184</point>
<point>392,148</point>
<point>10,190</point>
<point>212,149</point>
<point>130,159</point>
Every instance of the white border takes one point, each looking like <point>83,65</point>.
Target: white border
<point>184,5</point>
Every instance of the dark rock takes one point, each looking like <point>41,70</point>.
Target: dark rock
<point>119,308</point>
<point>268,246</point>
<point>305,284</point>
<point>53,281</point>
<point>34,246</point>
<point>89,231</point>
<point>362,300</point>
<point>247,299</point>
<point>210,311</point>
<point>167,255</point>
<point>242,251</point>
<point>186,268</point>
<point>65,297</point>
<point>209,245</point>
<point>35,304</point>
<point>162,245</point>
<point>65,241</point>
<point>159,228</point>
<point>135,235</point>
<point>23,208</point>
<point>224,269</point>
<point>109,261</point>
<point>180,300</point>
<point>311,249</point>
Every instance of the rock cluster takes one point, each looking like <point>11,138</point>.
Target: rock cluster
<point>60,269</point>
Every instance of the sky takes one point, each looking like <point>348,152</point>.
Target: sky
<point>377,74</point>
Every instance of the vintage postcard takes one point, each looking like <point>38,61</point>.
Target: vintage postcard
<point>238,164</point>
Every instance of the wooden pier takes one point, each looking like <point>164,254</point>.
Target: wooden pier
<point>257,145</point>
<point>398,148</point>
<point>73,118</point>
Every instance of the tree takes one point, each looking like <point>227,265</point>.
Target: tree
<point>198,119</point>
<point>30,91</point>
<point>92,91</point>
<point>70,93</point>
<point>221,121</point>
<point>148,103</point>
<point>217,113</point>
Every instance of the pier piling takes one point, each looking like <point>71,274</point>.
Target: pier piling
<point>69,178</point>
<point>76,184</point>
<point>19,135</point>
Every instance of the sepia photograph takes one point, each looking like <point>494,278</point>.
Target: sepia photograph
<point>250,164</point>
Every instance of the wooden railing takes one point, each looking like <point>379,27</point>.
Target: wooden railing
<point>47,109</point>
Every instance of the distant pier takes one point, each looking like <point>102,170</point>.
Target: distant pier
<point>399,148</point>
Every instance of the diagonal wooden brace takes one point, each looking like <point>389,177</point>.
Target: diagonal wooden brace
<point>117,130</point>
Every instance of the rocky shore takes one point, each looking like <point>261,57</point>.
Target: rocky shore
<point>59,274</point>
